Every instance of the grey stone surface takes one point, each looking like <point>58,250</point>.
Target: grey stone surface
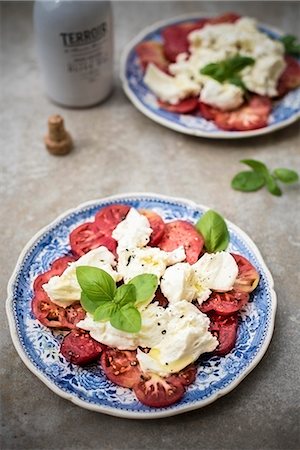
<point>119,150</point>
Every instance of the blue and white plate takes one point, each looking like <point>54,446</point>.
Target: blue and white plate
<point>285,111</point>
<point>88,387</point>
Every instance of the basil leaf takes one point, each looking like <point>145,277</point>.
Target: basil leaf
<point>257,166</point>
<point>125,294</point>
<point>286,175</point>
<point>104,311</point>
<point>87,304</point>
<point>290,45</point>
<point>97,284</point>
<point>239,62</point>
<point>248,181</point>
<point>214,230</point>
<point>128,319</point>
<point>228,68</point>
<point>237,81</point>
<point>272,186</point>
<point>145,286</point>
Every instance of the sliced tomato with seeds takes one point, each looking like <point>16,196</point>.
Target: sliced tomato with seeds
<point>54,316</point>
<point>225,330</point>
<point>250,116</point>
<point>151,52</point>
<point>207,111</point>
<point>290,78</point>
<point>180,232</point>
<point>156,223</point>
<point>225,303</point>
<point>78,347</point>
<point>57,268</point>
<point>186,376</point>
<point>158,392</point>
<point>87,237</point>
<point>109,217</point>
<point>121,366</point>
<point>185,106</point>
<point>248,277</point>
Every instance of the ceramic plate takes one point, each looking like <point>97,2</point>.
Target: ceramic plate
<point>285,111</point>
<point>88,387</point>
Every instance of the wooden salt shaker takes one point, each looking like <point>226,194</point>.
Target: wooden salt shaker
<point>58,141</point>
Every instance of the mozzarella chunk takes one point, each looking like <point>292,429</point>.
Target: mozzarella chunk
<point>64,290</point>
<point>217,271</point>
<point>167,88</point>
<point>133,231</point>
<point>223,96</point>
<point>180,282</point>
<point>136,261</point>
<point>184,339</point>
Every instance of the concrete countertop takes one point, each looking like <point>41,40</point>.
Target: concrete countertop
<point>119,150</point>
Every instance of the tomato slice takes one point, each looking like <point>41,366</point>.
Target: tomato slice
<point>248,277</point>
<point>157,225</point>
<point>207,111</point>
<point>121,367</point>
<point>54,316</point>
<point>251,116</point>
<point>78,347</point>
<point>109,217</point>
<point>180,232</point>
<point>224,18</point>
<point>225,303</point>
<point>186,376</point>
<point>185,106</point>
<point>158,392</point>
<point>290,78</point>
<point>57,268</point>
<point>225,330</point>
<point>87,237</point>
<point>151,52</point>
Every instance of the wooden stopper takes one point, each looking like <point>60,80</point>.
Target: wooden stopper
<point>58,141</point>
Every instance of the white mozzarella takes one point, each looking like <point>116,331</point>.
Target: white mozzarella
<point>133,231</point>
<point>217,271</point>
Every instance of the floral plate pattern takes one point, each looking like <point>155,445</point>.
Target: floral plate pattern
<point>88,387</point>
<point>285,111</point>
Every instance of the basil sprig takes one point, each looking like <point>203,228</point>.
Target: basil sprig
<point>250,181</point>
<point>214,230</point>
<point>228,69</point>
<point>291,46</point>
<point>102,298</point>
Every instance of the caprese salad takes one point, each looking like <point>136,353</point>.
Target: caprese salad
<point>224,69</point>
<point>145,298</point>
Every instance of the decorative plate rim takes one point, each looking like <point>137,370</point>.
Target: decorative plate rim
<point>107,409</point>
<point>169,123</point>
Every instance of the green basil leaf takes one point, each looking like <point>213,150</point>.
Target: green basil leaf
<point>128,319</point>
<point>214,230</point>
<point>286,175</point>
<point>248,181</point>
<point>125,294</point>
<point>272,186</point>
<point>87,304</point>
<point>257,166</point>
<point>290,45</point>
<point>104,311</point>
<point>228,68</point>
<point>239,62</point>
<point>237,81</point>
<point>145,286</point>
<point>97,284</point>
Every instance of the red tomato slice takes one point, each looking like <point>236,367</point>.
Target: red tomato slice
<point>290,78</point>
<point>151,52</point>
<point>224,18</point>
<point>225,330</point>
<point>78,347</point>
<point>157,225</point>
<point>121,367</point>
<point>62,263</point>
<point>158,392</point>
<point>251,116</point>
<point>109,217</point>
<point>54,316</point>
<point>248,277</point>
<point>175,38</point>
<point>57,268</point>
<point>225,303</point>
<point>207,111</point>
<point>183,107</point>
<point>180,232</point>
<point>186,376</point>
<point>87,237</point>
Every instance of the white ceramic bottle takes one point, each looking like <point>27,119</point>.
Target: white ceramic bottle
<point>74,41</point>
